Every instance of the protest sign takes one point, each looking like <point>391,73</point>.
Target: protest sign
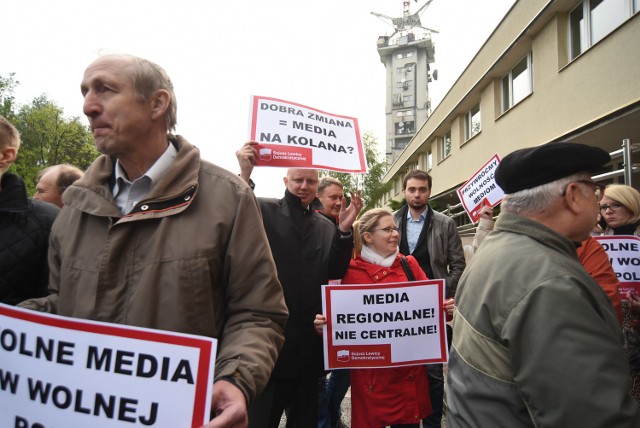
<point>384,325</point>
<point>624,255</point>
<point>63,372</point>
<point>295,136</point>
<point>481,189</point>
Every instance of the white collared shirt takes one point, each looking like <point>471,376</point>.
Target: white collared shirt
<point>127,193</point>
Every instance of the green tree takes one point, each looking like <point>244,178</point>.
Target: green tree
<point>47,137</point>
<point>7,101</point>
<point>370,183</point>
<point>396,205</point>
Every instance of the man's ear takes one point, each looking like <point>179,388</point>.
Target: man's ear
<point>159,103</point>
<point>7,157</point>
<point>572,198</point>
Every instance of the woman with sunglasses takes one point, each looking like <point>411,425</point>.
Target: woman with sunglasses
<point>620,210</point>
<point>384,396</point>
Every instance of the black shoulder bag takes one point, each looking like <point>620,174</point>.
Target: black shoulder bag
<point>407,269</point>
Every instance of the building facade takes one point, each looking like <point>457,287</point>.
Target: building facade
<point>551,70</point>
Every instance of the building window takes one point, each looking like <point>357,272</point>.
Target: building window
<point>426,161</point>
<point>403,70</point>
<point>398,101</point>
<point>445,145</point>
<point>403,128</point>
<point>472,122</point>
<point>403,113</point>
<point>401,143</point>
<point>517,84</point>
<point>404,54</point>
<point>407,99</point>
<point>577,32</point>
<point>404,85</point>
<point>592,20</point>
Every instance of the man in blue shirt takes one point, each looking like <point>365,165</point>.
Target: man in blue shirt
<point>433,239</point>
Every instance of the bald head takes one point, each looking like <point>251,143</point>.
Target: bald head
<point>302,183</point>
<point>53,181</point>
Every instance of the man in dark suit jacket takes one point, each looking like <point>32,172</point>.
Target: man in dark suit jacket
<point>433,239</point>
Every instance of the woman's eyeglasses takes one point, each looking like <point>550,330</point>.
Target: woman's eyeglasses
<point>389,229</point>
<point>613,207</point>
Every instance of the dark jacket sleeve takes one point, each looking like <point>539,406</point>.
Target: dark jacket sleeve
<point>46,214</point>
<point>456,259</point>
<point>341,250</point>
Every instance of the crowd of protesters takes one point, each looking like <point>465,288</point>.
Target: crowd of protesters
<point>539,333</point>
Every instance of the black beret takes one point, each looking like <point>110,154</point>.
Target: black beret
<point>535,166</point>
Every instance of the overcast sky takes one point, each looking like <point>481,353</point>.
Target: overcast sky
<point>218,54</point>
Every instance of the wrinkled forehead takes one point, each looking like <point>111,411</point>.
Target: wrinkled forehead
<point>107,68</point>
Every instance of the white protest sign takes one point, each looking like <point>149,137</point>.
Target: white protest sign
<point>64,372</point>
<point>384,325</point>
<point>624,255</point>
<point>295,136</point>
<point>481,189</point>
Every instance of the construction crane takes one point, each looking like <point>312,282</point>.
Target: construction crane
<point>408,20</point>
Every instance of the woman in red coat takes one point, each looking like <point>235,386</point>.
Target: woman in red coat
<point>384,396</point>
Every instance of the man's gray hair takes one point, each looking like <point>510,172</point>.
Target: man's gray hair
<point>539,198</point>
<point>328,181</point>
<point>147,78</point>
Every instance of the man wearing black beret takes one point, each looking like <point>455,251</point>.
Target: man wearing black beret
<point>536,341</point>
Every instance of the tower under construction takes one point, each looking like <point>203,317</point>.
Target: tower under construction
<point>406,54</point>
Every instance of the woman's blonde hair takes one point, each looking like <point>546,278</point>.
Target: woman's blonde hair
<point>627,196</point>
<point>367,223</point>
